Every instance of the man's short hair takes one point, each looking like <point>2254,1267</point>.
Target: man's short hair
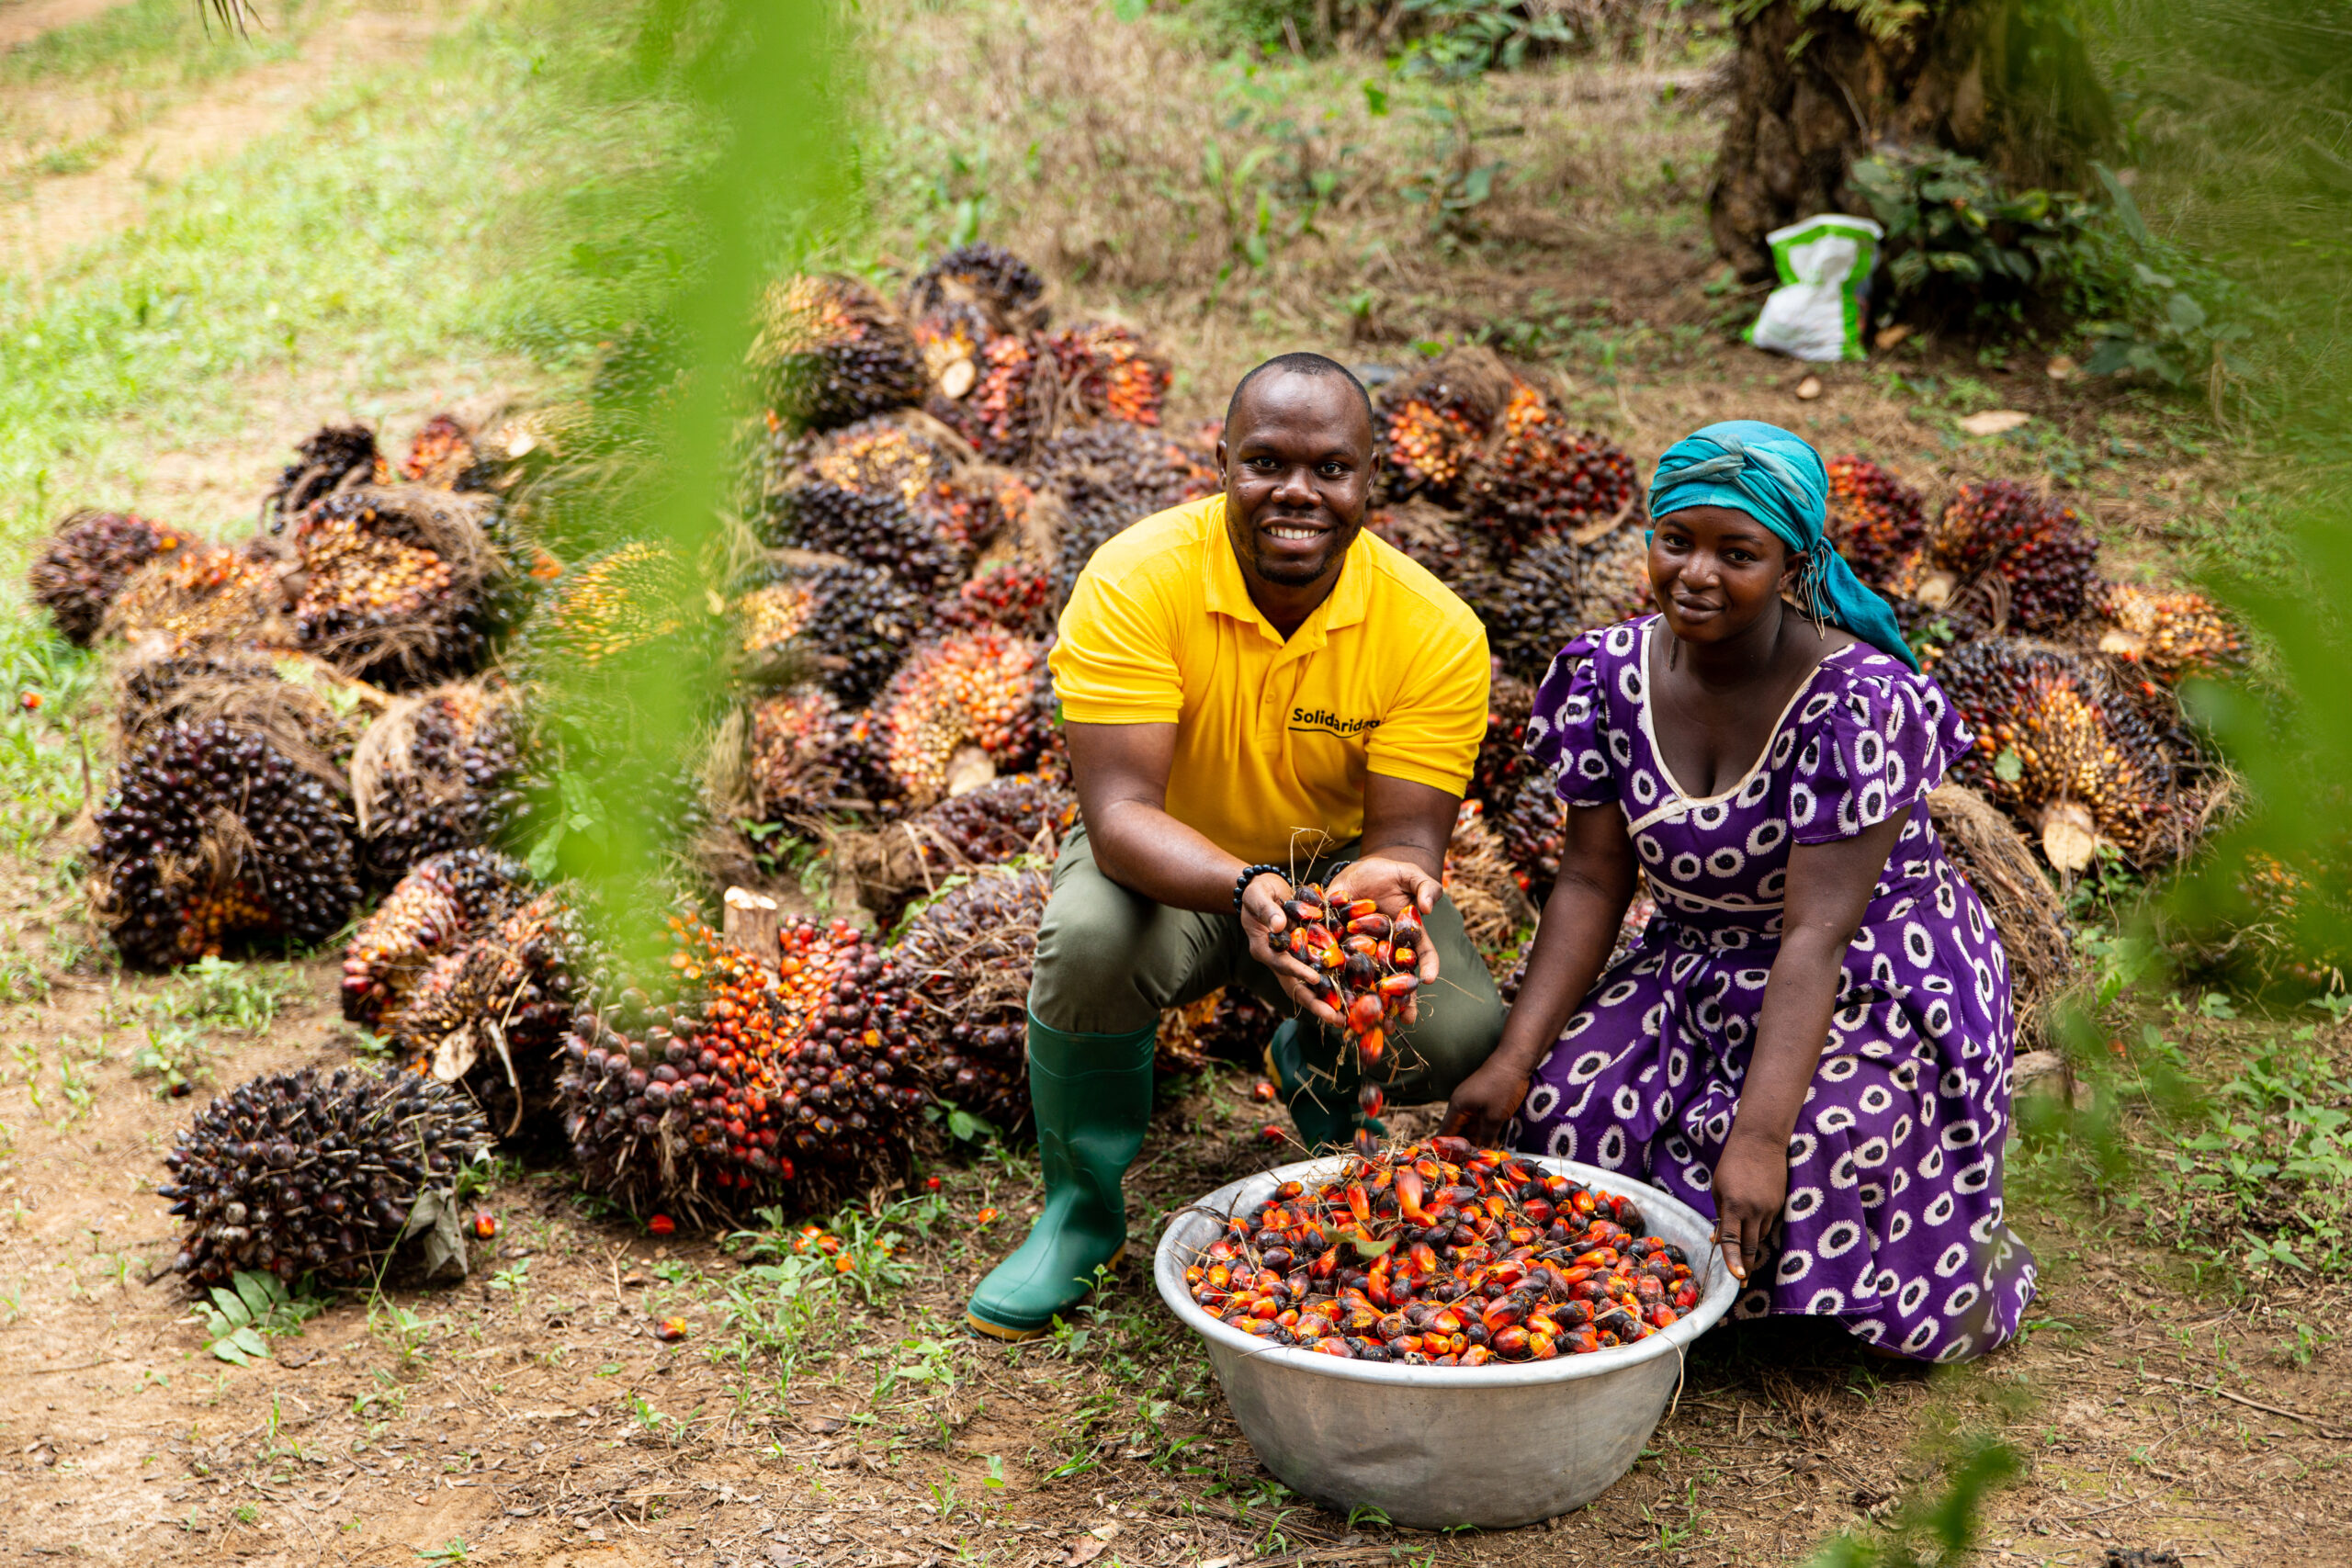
<point>1300,363</point>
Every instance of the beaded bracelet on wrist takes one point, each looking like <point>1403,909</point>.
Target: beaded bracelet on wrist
<point>1250,875</point>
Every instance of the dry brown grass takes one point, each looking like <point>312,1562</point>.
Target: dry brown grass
<point>1136,167</point>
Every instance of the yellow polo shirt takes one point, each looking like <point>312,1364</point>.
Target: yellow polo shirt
<point>1387,676</point>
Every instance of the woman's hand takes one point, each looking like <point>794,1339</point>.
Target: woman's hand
<point>1751,1184</point>
<point>1484,1103</point>
<point>1262,920</point>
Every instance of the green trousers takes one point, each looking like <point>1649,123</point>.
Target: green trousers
<point>1109,961</point>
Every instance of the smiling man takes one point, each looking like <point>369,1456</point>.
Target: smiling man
<point>1254,689</point>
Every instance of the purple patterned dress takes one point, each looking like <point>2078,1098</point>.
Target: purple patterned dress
<point>1892,1223</point>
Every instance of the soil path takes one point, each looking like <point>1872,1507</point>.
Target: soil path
<point>60,213</point>
<point>22,21</point>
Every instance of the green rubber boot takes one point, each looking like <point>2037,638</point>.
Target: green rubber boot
<point>1092,1096</point>
<point>1322,1126</point>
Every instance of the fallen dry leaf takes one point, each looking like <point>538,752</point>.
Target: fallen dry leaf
<point>1993,421</point>
<point>2062,368</point>
<point>1809,389</point>
<point>1888,336</point>
<point>1082,1551</point>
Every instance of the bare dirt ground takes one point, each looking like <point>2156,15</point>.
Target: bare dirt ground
<point>531,1416</point>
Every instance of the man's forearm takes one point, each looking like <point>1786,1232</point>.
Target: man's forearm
<point>1145,851</point>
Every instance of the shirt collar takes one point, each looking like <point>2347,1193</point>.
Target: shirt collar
<point>1229,596</point>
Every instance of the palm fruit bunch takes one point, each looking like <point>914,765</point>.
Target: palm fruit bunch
<point>332,457</point>
<point>444,776</point>
<point>1394,1259</point>
<point>2057,748</point>
<point>201,594</point>
<point>1427,535</point>
<point>759,1072</point>
<point>1011,594</point>
<point>441,900</point>
<point>1020,814</point>
<point>1228,1025</point>
<point>376,603</point>
<point>441,454</point>
<point>2171,634</point>
<point>491,1012</point>
<point>1009,401</point>
<point>2038,547</point>
<point>1431,427</point>
<point>884,458</point>
<point>1107,476</point>
<point>299,1173</point>
<point>771,616</point>
<point>212,834</point>
<point>1502,760</point>
<point>613,604</point>
<point>1543,480</point>
<point>975,703</point>
<point>1005,290</point>
<point>1368,967</point>
<point>966,955</point>
<point>1876,520</point>
<point>1533,825</point>
<point>1107,372</point>
<point>808,758</point>
<point>833,351</point>
<point>1616,581</point>
<point>307,709</point>
<point>1531,607</point>
<point>87,558</point>
<point>877,528</point>
<point>850,623</point>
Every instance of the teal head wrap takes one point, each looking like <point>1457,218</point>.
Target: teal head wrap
<point>1778,479</point>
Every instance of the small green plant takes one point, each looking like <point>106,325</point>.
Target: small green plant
<point>1931,1532</point>
<point>224,994</point>
<point>241,1321</point>
<point>173,1057</point>
<point>455,1550</point>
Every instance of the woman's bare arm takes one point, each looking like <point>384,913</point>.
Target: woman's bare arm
<point>1572,941</point>
<point>1829,888</point>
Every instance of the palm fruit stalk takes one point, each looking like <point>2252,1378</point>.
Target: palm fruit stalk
<point>1394,1259</point>
<point>2058,748</point>
<point>1876,520</point>
<point>211,836</point>
<point>962,710</point>
<point>432,908</point>
<point>1368,967</point>
<point>334,457</point>
<point>761,1072</point>
<point>1543,480</point>
<point>966,955</point>
<point>86,559</point>
<point>831,351</point>
<point>303,1173</point>
<point>491,1014</point>
<point>1108,372</point>
<point>2170,634</point>
<point>311,711</point>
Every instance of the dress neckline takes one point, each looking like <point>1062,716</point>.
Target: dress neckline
<point>1763,757</point>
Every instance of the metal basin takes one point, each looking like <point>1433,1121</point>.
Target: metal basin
<point>1434,1447</point>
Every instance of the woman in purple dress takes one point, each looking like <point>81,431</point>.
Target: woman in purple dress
<point>1811,1040</point>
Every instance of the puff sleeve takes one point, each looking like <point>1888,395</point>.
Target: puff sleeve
<point>1567,733</point>
<point>1869,748</point>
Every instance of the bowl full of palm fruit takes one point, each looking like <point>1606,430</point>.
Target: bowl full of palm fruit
<point>1368,1315</point>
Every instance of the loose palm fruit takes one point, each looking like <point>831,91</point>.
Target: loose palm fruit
<point>87,558</point>
<point>297,1173</point>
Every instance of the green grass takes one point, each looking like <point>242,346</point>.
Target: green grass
<point>444,212</point>
<point>152,43</point>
